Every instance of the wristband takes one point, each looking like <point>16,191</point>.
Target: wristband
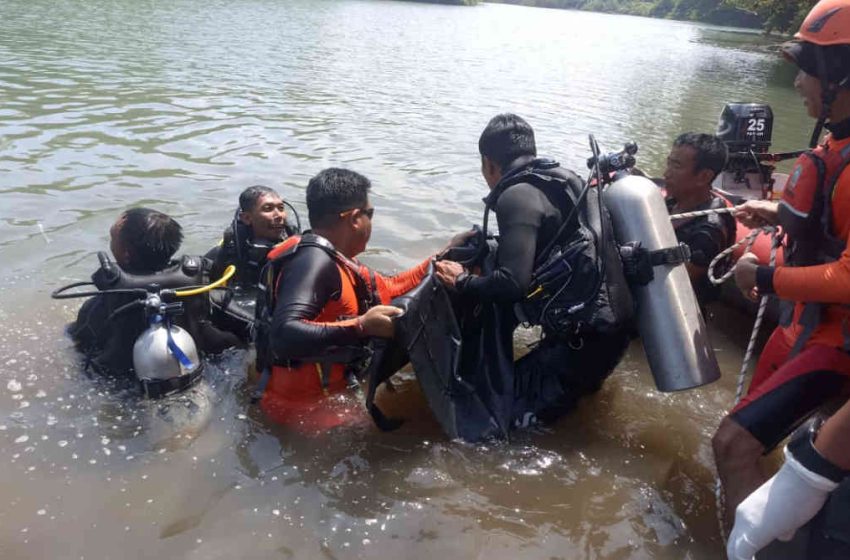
<point>764,280</point>
<point>802,449</point>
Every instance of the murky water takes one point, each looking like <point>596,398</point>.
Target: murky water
<point>180,105</point>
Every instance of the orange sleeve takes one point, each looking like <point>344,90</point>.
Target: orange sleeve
<point>393,286</point>
<point>824,283</point>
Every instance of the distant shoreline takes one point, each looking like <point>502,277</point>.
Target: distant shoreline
<point>773,17</point>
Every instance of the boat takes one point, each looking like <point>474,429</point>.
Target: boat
<point>750,174</point>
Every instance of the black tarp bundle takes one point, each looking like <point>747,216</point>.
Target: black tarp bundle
<point>462,354</point>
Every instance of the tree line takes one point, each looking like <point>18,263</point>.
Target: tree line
<point>774,16</point>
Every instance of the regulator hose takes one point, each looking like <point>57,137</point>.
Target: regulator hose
<point>228,274</point>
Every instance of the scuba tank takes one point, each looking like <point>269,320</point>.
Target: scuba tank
<point>165,357</point>
<point>671,326</point>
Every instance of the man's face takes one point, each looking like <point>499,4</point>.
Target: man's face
<point>809,88</point>
<point>490,171</point>
<point>119,252</point>
<point>681,177</point>
<point>362,225</point>
<point>267,219</point>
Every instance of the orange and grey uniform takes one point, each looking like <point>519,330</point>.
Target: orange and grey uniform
<point>806,362</point>
<point>319,293</point>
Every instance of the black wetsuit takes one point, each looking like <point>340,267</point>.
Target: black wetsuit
<point>706,236</point>
<point>230,311</point>
<point>311,280</point>
<point>549,380</point>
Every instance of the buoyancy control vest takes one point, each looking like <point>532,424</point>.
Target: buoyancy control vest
<point>249,255</point>
<point>806,216</point>
<point>578,284</point>
<point>109,324</point>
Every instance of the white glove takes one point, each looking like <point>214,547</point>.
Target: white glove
<point>778,508</point>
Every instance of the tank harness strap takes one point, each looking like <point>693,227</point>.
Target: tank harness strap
<point>639,263</point>
<point>262,383</point>
<point>178,353</point>
<point>810,318</point>
<point>158,388</point>
<point>786,313</point>
<point>324,370</point>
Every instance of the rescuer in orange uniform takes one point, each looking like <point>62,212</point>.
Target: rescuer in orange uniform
<point>322,306</point>
<point>806,362</point>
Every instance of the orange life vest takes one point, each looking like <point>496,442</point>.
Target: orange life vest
<point>815,213</point>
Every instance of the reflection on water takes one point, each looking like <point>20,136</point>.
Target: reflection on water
<point>181,105</point>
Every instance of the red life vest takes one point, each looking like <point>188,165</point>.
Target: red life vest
<point>806,215</point>
<point>805,210</point>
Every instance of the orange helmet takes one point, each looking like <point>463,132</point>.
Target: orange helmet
<point>822,49</point>
<point>827,24</point>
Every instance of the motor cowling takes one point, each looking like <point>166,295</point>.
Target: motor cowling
<point>746,127</point>
<point>669,320</point>
<point>747,130</point>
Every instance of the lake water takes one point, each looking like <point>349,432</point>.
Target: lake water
<point>180,105</point>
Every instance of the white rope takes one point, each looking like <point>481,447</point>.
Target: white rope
<point>701,213</point>
<point>748,242</point>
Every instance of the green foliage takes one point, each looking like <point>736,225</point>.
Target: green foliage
<point>782,16</point>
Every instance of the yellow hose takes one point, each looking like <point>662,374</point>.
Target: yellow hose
<point>228,274</point>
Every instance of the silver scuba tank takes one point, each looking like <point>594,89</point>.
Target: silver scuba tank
<point>671,326</point>
<point>154,360</point>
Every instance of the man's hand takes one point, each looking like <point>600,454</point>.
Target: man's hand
<point>757,213</point>
<point>378,321</point>
<point>745,274</point>
<point>458,240</point>
<point>447,272</point>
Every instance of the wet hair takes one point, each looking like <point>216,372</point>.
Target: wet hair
<point>711,152</point>
<point>250,196</point>
<point>150,237</point>
<point>506,138</point>
<point>335,190</point>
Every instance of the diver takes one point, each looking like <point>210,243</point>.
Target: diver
<point>694,162</point>
<point>805,364</point>
<point>143,242</point>
<point>322,306</point>
<point>260,223</point>
<point>538,219</point>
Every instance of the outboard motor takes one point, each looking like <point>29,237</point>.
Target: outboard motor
<point>671,326</point>
<point>747,129</point>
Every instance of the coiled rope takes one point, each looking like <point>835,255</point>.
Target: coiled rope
<point>747,242</point>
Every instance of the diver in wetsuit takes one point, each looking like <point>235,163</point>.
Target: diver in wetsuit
<point>260,223</point>
<point>694,162</point>
<point>530,212</point>
<point>323,306</point>
<point>143,242</point>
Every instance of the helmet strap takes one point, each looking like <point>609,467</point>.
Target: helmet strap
<point>828,94</point>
